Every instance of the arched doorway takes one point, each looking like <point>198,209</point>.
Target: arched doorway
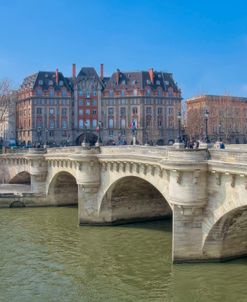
<point>132,199</point>
<point>91,138</point>
<point>227,237</point>
<point>63,189</point>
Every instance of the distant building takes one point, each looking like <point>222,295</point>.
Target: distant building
<point>43,110</point>
<point>144,104</point>
<point>227,118</point>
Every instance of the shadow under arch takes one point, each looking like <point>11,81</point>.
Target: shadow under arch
<point>23,178</point>
<point>91,138</point>
<point>227,238</point>
<point>63,189</point>
<point>131,199</point>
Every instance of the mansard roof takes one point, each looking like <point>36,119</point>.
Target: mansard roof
<point>45,79</point>
<point>141,80</point>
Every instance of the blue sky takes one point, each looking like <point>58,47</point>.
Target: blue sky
<point>203,43</point>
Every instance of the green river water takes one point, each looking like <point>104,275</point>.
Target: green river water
<point>46,256</point>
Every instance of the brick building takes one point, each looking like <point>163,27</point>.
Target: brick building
<point>227,118</point>
<point>43,109</point>
<point>87,88</point>
<point>147,101</point>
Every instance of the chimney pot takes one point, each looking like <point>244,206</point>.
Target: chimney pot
<point>74,70</point>
<point>101,71</point>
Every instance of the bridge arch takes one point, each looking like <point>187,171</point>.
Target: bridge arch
<point>91,138</point>
<point>63,189</point>
<point>227,237</point>
<point>23,177</point>
<point>132,198</point>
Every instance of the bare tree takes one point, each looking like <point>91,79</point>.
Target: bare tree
<point>7,108</point>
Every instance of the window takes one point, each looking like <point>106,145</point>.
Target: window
<point>94,102</point>
<point>50,83</point>
<point>122,93</point>
<point>148,110</point>
<point>39,92</point>
<point>87,111</point>
<point>110,111</point>
<point>159,111</point>
<point>51,133</point>
<point>122,111</point>
<point>52,123</point>
<point>60,83</point>
<point>51,92</point>
<point>80,111</point>
<point>110,123</point>
<point>94,123</point>
<point>40,82</point>
<point>39,110</point>
<point>148,92</point>
<point>94,92</point>
<point>64,93</point>
<point>88,94</point>
<point>111,132</point>
<point>110,92</point>
<point>170,110</point>
<point>94,112</point>
<point>51,111</point>
<point>80,92</point>
<point>159,92</point>
<point>122,123</point>
<point>159,123</point>
<point>134,110</point>
<point>88,103</point>
<point>80,124</point>
<point>51,102</point>
<point>64,133</point>
<point>64,123</point>
<point>88,123</point>
<point>81,102</point>
<point>64,111</point>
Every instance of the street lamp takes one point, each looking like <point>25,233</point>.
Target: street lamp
<point>85,134</point>
<point>206,114</point>
<point>46,134</point>
<point>179,126</point>
<point>39,134</point>
<point>99,138</point>
<point>219,131</point>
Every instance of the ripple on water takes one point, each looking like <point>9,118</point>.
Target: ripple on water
<point>46,256</point>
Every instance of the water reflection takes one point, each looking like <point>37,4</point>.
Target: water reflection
<point>46,256</point>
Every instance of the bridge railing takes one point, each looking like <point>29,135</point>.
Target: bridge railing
<point>229,155</point>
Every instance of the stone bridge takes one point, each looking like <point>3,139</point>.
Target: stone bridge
<point>204,191</point>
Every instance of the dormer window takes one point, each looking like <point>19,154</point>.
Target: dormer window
<point>148,92</point>
<point>50,83</point>
<point>148,82</point>
<point>60,83</point>
<point>122,93</point>
<point>40,82</point>
<point>157,82</point>
<point>46,75</point>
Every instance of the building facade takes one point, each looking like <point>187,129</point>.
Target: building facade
<point>143,105</point>
<point>226,118</point>
<point>55,110</point>
<point>87,91</point>
<point>43,110</point>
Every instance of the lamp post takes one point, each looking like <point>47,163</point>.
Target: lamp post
<point>39,135</point>
<point>84,143</point>
<point>97,144</point>
<point>46,132</point>
<point>219,131</point>
<point>179,126</point>
<point>206,126</point>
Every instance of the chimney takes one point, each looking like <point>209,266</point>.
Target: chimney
<point>117,76</point>
<point>57,76</point>
<point>101,71</point>
<point>73,71</point>
<point>151,74</point>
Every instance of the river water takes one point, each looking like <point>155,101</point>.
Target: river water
<point>46,256</point>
